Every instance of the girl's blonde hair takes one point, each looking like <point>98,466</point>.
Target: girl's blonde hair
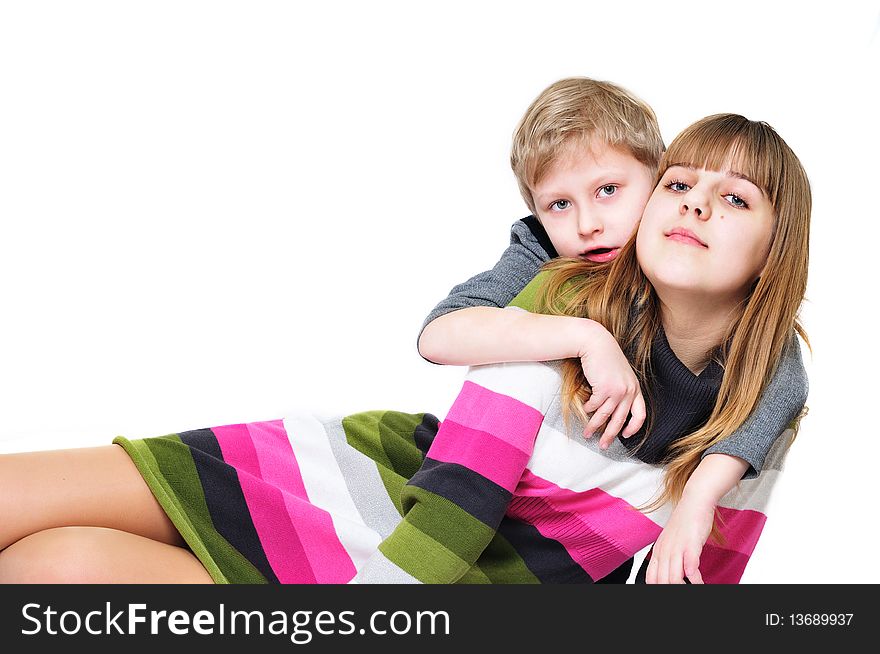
<point>753,344</point>
<point>582,113</point>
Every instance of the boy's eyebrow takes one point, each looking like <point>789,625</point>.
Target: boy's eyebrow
<point>609,176</point>
<point>728,173</point>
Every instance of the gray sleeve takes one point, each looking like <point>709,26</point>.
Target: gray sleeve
<point>517,266</point>
<point>782,401</point>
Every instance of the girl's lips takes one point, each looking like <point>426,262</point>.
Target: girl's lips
<point>684,238</point>
<point>601,255</point>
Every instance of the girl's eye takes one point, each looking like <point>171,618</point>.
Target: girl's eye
<point>736,201</point>
<point>677,186</point>
<point>607,191</point>
<point>560,205</point>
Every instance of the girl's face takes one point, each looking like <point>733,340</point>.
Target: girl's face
<point>705,231</point>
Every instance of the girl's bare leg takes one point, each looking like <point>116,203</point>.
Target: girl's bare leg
<point>71,555</point>
<point>93,486</point>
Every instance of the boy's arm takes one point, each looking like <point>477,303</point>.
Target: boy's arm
<point>454,504</point>
<point>782,401</point>
<point>482,335</point>
<point>530,247</point>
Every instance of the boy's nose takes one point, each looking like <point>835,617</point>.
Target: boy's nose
<point>588,223</point>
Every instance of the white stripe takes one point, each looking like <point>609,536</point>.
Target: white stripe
<point>568,464</point>
<point>533,384</point>
<point>753,494</point>
<point>326,486</point>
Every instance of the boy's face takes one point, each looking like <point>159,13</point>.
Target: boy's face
<point>591,201</point>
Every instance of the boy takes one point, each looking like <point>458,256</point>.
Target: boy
<point>585,156</point>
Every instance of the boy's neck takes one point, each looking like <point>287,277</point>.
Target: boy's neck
<point>695,329</point>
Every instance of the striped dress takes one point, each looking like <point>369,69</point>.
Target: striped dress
<point>499,492</point>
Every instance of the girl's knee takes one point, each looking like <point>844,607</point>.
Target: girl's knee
<point>63,555</point>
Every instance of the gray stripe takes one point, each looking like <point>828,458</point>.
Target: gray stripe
<point>616,451</point>
<point>776,456</point>
<point>379,570</point>
<point>752,494</point>
<point>364,484</point>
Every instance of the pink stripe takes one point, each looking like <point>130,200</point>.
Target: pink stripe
<point>483,453</point>
<point>502,416</point>
<point>721,566</point>
<point>741,529</point>
<point>328,559</point>
<point>277,463</point>
<point>279,539</point>
<point>598,530</point>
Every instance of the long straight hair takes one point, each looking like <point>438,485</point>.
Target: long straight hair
<point>620,297</point>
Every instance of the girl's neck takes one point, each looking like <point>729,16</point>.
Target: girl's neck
<point>695,329</point>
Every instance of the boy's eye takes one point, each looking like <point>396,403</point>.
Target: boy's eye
<point>607,191</point>
<point>560,205</point>
<point>736,201</point>
<point>677,186</point>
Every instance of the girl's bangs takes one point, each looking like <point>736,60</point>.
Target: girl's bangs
<point>732,143</point>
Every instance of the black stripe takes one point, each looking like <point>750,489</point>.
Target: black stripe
<point>425,432</point>
<point>548,560</point>
<point>620,575</point>
<point>225,499</point>
<point>540,234</point>
<point>482,498</point>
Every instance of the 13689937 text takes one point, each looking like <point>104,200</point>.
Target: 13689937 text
<point>808,619</point>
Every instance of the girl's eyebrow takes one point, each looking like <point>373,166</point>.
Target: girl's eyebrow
<point>728,173</point>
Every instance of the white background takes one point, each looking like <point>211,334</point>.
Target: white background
<point>218,212</point>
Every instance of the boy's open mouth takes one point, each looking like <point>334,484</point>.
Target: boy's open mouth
<point>600,255</point>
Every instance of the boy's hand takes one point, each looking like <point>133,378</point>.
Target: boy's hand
<point>616,390</point>
<point>676,554</point>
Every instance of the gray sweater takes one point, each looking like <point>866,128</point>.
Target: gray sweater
<point>530,248</point>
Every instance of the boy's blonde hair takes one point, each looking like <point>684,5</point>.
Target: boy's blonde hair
<point>580,112</point>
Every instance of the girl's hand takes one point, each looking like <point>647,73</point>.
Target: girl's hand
<point>616,390</point>
<point>676,554</point>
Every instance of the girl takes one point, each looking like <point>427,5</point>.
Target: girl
<point>703,300</point>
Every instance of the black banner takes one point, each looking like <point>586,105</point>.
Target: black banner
<point>431,618</point>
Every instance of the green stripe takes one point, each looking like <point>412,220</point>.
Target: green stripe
<point>179,468</point>
<point>409,548</point>
<point>167,467</point>
<point>387,437</point>
<point>525,299</point>
<point>502,564</point>
<point>433,515</point>
<point>397,434</point>
<point>474,575</point>
<point>362,433</point>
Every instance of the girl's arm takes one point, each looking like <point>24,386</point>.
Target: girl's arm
<point>676,554</point>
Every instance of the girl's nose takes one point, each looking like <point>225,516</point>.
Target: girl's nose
<point>696,205</point>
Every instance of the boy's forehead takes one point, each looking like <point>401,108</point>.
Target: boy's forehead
<point>592,158</point>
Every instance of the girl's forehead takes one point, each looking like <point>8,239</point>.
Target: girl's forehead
<point>726,170</point>
<point>725,153</point>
